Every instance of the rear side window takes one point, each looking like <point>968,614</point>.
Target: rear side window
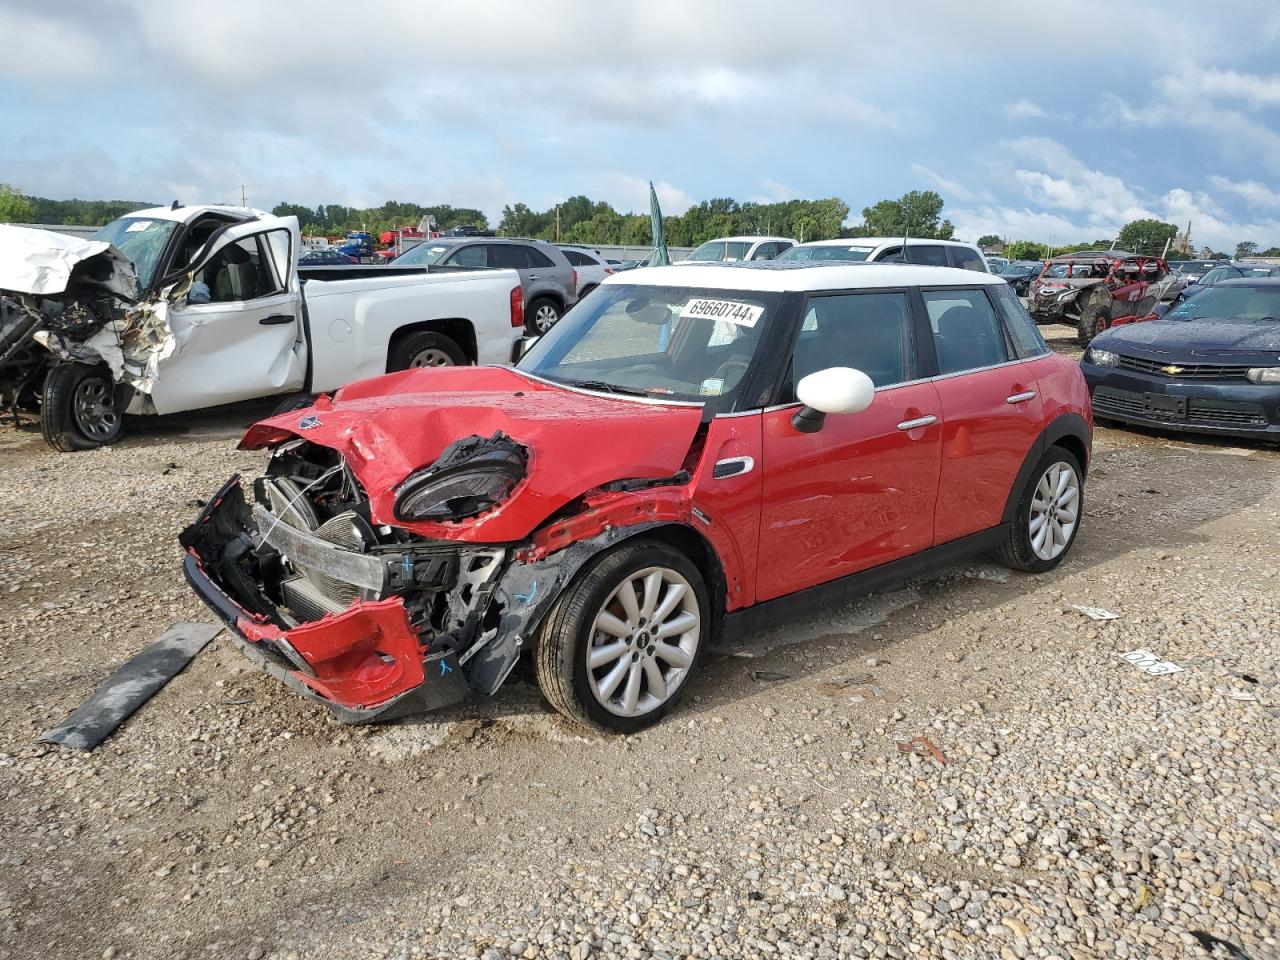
<point>927,254</point>
<point>966,331</point>
<point>1022,329</point>
<point>537,258</point>
<point>967,259</point>
<point>870,332</point>
<point>578,259</point>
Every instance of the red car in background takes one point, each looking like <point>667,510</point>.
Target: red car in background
<point>1093,289</point>
<point>691,452</point>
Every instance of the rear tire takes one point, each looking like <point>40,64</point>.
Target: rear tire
<point>80,408</point>
<point>424,348</point>
<point>654,663</point>
<point>543,314</point>
<point>1093,320</point>
<point>1048,501</point>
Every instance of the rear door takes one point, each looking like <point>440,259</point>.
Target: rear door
<point>860,491</point>
<point>991,410</point>
<point>237,331</point>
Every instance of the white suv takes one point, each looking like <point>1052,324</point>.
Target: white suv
<point>730,249</point>
<point>591,268</point>
<point>936,253</point>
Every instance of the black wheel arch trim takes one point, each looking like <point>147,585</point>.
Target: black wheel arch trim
<point>526,592</point>
<point>1070,425</point>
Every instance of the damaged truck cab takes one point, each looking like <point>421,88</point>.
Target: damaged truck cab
<point>181,308</point>
<point>689,452</point>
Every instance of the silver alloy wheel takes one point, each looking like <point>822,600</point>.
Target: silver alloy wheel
<point>431,357</point>
<point>94,406</point>
<point>545,317</point>
<point>1055,510</point>
<point>643,641</point>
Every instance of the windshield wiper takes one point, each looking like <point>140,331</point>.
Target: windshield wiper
<point>607,387</point>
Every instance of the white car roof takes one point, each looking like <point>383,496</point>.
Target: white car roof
<point>183,214</point>
<point>773,276</point>
<point>751,239</point>
<point>870,242</point>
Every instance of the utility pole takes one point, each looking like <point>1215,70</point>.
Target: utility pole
<point>557,223</point>
<point>243,201</point>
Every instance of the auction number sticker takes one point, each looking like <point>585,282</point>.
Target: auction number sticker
<point>743,314</point>
<point>137,225</point>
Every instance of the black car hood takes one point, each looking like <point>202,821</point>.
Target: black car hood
<point>1196,340</point>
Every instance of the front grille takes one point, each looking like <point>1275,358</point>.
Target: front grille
<point>1184,371</point>
<point>1226,413</point>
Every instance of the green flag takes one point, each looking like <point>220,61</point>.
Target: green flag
<point>659,257</point>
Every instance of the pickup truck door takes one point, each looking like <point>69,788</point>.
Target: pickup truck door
<point>236,320</point>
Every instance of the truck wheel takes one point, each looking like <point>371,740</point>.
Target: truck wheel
<point>80,408</point>
<point>1048,515</point>
<point>543,314</point>
<point>1093,320</point>
<point>425,348</point>
<point>620,645</point>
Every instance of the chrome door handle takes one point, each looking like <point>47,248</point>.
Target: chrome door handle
<point>917,423</point>
<point>534,276</point>
<point>1021,397</point>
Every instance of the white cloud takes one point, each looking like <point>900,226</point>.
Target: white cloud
<point>1254,193</point>
<point>1254,89</point>
<point>951,189</point>
<point>630,194</point>
<point>775,192</point>
<point>1025,110</point>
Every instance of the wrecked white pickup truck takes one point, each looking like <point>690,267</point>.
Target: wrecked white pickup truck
<point>180,308</point>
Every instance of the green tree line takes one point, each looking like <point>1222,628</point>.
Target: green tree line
<point>593,222</point>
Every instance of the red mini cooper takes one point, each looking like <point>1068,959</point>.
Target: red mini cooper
<point>689,452</point>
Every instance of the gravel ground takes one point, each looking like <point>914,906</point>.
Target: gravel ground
<point>1084,809</point>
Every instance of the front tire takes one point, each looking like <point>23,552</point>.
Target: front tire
<point>80,408</point>
<point>424,348</point>
<point>543,313</point>
<point>1048,516</point>
<point>622,643</point>
<point>1093,320</point>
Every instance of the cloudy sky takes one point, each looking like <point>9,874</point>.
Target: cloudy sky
<point>1033,122</point>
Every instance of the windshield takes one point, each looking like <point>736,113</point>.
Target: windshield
<point>827,252</point>
<point>714,250</point>
<point>670,343</point>
<point>1233,302</point>
<point>141,240</point>
<point>424,253</point>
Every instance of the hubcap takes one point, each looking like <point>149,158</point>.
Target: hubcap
<point>643,642</point>
<point>1055,510</point>
<point>95,409</point>
<point>431,357</point>
<point>544,318</point>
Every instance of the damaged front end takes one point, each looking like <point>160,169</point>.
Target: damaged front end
<point>73,300</point>
<point>372,620</point>
<point>1058,301</point>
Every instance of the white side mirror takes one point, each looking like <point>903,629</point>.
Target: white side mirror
<point>833,390</point>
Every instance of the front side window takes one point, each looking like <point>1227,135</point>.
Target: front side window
<point>426,254</point>
<point>676,343</point>
<point>870,332</point>
<point>1022,329</point>
<point>966,331</point>
<point>239,271</point>
<point>471,255</point>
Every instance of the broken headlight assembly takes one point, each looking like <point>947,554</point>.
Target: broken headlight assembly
<point>471,476</point>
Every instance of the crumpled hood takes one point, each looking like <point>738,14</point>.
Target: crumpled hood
<point>391,426</point>
<point>41,262</point>
<point>1239,341</point>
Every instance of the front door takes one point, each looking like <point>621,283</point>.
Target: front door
<point>991,411</point>
<point>237,331</point>
<point>860,491</point>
